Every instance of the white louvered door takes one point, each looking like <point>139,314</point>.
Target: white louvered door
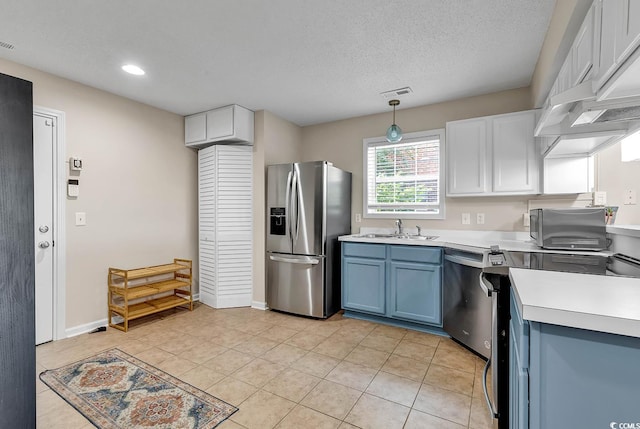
<point>225,225</point>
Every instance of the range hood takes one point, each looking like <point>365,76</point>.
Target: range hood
<point>577,111</point>
<point>582,125</point>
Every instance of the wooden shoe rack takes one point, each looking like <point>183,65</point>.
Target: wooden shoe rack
<point>140,292</point>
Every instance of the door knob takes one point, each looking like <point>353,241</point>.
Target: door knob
<point>43,244</point>
<point>43,229</point>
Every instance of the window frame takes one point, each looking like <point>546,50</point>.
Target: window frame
<point>406,138</point>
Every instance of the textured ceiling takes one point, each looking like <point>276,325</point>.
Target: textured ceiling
<point>306,61</point>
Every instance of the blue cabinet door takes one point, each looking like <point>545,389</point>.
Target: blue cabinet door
<point>518,369</point>
<point>363,284</point>
<point>415,292</point>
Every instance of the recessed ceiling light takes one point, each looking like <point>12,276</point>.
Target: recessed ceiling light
<point>130,68</point>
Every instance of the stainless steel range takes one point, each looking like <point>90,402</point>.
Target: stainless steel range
<point>595,264</point>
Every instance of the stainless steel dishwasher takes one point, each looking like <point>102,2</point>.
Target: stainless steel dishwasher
<point>467,308</point>
<point>475,297</point>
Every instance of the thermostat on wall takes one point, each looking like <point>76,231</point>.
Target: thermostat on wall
<point>75,163</point>
<point>73,187</point>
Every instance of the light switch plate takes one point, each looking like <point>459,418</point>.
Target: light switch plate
<point>81,218</point>
<point>480,218</point>
<point>466,218</point>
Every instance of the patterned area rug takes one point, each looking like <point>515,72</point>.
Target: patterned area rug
<point>116,391</point>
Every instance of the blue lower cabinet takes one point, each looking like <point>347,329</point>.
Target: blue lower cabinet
<point>415,292</point>
<point>363,284</point>
<point>398,282</point>
<point>567,377</point>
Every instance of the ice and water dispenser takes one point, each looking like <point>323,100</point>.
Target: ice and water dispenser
<point>278,221</point>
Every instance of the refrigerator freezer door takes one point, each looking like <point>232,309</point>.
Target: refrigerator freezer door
<point>308,214</point>
<point>296,284</point>
<point>279,183</point>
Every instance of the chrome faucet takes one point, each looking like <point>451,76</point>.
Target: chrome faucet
<point>399,225</point>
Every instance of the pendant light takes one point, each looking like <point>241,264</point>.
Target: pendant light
<point>394,133</point>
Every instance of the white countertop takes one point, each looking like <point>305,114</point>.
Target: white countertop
<point>631,230</point>
<point>477,241</point>
<point>599,303</point>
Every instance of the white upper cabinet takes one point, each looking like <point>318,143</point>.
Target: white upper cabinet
<point>466,148</point>
<point>493,155</point>
<point>229,124</point>
<point>619,59</point>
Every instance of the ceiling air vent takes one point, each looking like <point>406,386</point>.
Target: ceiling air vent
<point>6,45</point>
<point>395,93</point>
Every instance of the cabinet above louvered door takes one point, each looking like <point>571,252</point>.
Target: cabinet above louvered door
<point>226,227</point>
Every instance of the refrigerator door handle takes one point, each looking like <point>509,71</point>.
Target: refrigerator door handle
<point>287,209</point>
<point>304,260</point>
<point>295,198</point>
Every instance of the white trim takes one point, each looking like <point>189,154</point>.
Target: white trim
<point>59,210</point>
<point>87,327</point>
<point>407,137</point>
<point>259,305</point>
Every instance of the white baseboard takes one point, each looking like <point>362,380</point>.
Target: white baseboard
<point>87,327</point>
<point>259,305</point>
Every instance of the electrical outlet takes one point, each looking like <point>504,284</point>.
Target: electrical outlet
<point>526,220</point>
<point>358,217</point>
<point>629,197</point>
<point>466,218</point>
<point>480,218</point>
<point>81,218</point>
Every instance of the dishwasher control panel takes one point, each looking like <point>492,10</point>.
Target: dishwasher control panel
<point>496,257</point>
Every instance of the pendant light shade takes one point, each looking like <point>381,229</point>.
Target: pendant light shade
<point>394,133</point>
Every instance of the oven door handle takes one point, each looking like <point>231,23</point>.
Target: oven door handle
<point>493,410</point>
<point>486,287</point>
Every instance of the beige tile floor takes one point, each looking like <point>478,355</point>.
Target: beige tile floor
<point>291,372</point>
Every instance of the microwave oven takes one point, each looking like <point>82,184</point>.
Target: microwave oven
<point>569,229</point>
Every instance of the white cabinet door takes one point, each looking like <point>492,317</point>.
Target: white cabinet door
<point>582,50</point>
<point>220,123</point>
<point>466,156</point>
<point>628,26</point>
<point>607,61</point>
<point>195,128</point>
<point>515,159</point>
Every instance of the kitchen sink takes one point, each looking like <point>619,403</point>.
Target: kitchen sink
<point>399,236</point>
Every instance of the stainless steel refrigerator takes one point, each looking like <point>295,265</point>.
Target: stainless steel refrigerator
<point>308,207</point>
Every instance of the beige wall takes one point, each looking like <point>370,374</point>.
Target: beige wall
<point>341,143</point>
<point>614,177</point>
<point>138,187</point>
<point>277,141</point>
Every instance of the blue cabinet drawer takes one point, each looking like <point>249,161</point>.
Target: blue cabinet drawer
<point>427,255</point>
<point>364,250</point>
